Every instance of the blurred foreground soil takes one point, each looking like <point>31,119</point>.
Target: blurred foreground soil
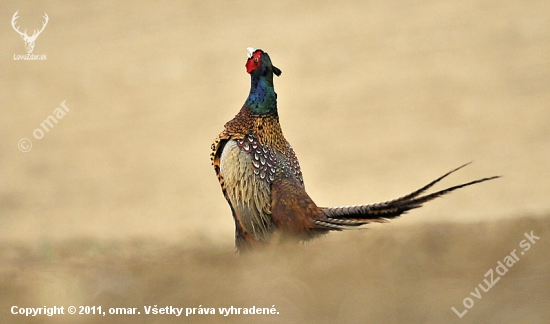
<point>388,274</point>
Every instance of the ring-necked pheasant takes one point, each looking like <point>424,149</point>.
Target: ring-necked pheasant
<point>261,179</point>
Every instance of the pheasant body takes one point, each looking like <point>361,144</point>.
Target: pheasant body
<point>249,163</point>
<point>261,178</point>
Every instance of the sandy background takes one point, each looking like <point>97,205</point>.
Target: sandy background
<point>118,204</point>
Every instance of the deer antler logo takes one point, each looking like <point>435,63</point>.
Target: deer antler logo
<point>29,40</point>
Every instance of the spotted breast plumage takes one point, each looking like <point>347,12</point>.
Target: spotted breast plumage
<point>261,178</point>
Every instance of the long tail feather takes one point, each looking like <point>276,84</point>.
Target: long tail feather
<point>347,217</point>
<point>426,187</point>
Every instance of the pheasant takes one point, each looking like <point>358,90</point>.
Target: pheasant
<point>261,179</point>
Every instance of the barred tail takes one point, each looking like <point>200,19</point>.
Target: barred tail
<point>347,217</point>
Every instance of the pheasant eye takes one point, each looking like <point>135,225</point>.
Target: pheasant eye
<point>254,62</point>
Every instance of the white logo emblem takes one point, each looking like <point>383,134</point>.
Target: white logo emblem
<point>29,40</point>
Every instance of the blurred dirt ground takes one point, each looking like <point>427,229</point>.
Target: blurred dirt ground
<point>391,274</point>
<point>118,205</point>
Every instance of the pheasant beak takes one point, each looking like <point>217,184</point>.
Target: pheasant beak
<point>251,51</point>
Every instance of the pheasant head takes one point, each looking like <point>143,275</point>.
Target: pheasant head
<point>259,63</point>
<point>262,98</point>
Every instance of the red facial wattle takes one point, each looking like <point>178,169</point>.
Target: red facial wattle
<point>254,62</point>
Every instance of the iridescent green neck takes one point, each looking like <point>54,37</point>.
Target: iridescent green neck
<point>262,98</point>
